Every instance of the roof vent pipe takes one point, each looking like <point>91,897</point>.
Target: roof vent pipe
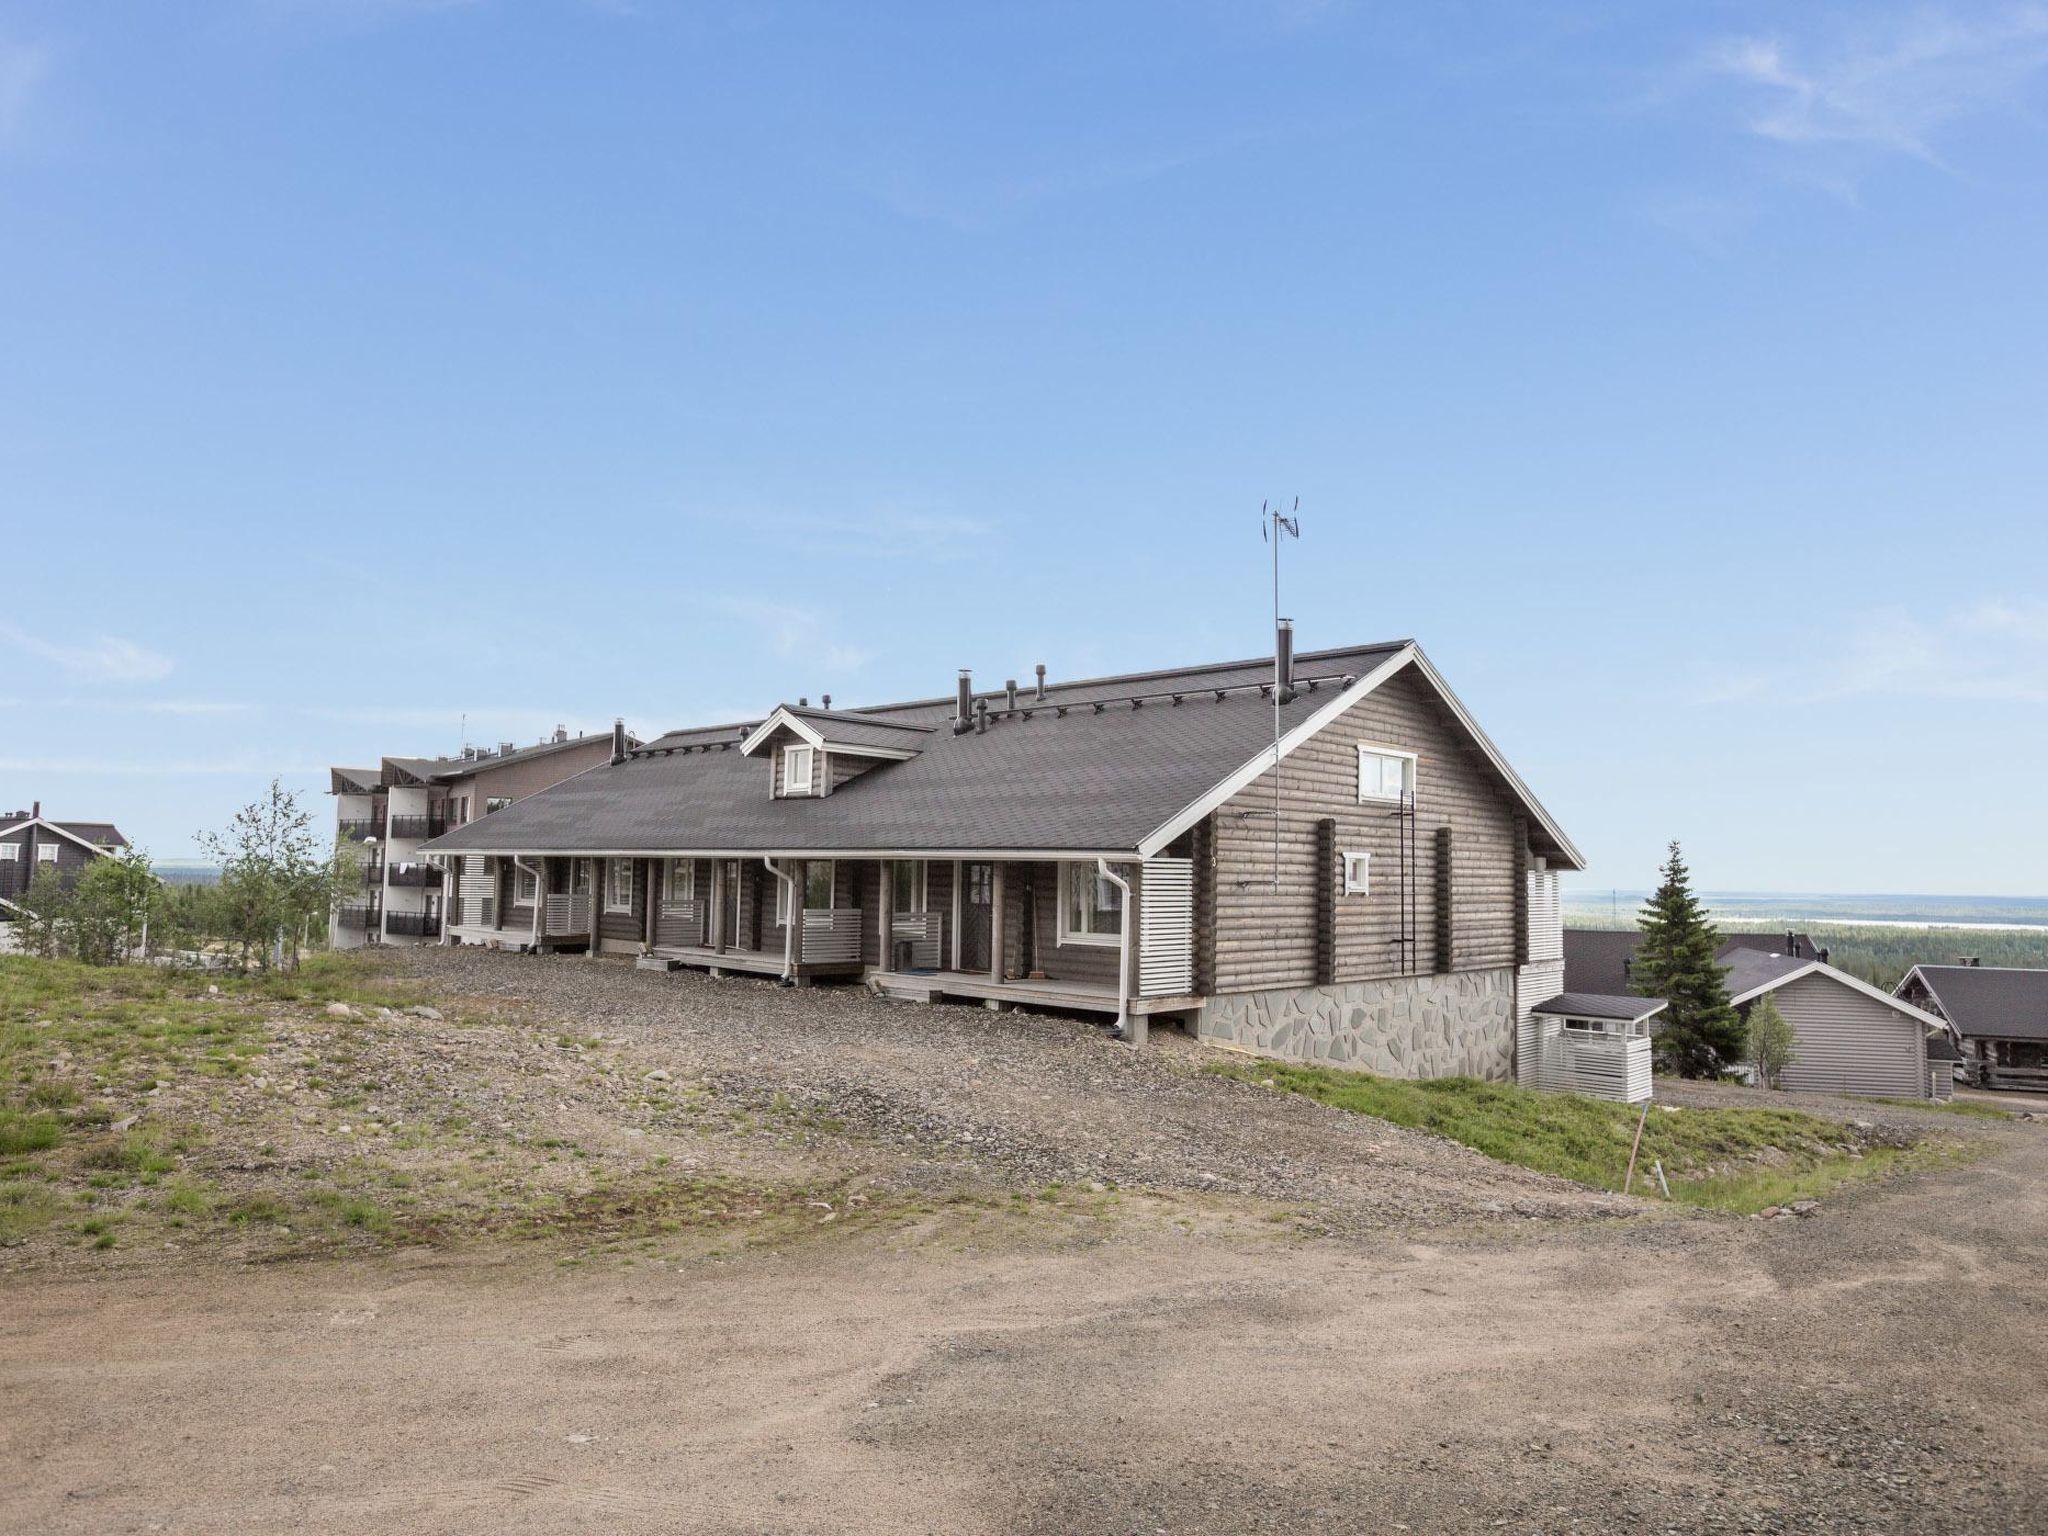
<point>1791,943</point>
<point>561,733</point>
<point>1041,680</point>
<point>981,717</point>
<point>1010,687</point>
<point>1283,659</point>
<point>803,703</point>
<point>965,706</point>
<point>618,741</point>
<point>825,699</point>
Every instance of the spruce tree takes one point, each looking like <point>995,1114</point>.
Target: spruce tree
<point>1699,1035</point>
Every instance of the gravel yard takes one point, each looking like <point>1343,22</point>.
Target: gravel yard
<point>1422,1340</point>
<point>1029,1099</point>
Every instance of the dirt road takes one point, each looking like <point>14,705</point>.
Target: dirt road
<point>1878,1367</point>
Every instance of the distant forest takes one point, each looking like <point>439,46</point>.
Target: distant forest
<point>1882,955</point>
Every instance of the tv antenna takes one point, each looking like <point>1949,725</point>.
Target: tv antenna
<point>1275,525</point>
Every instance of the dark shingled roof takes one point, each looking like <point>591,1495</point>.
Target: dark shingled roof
<point>846,728</point>
<point>103,834</point>
<point>1941,1048</point>
<point>1749,969</point>
<point>1991,1002</point>
<point>1598,1005</point>
<point>1595,959</point>
<point>1055,775</point>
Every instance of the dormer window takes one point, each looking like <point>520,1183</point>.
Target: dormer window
<point>798,765</point>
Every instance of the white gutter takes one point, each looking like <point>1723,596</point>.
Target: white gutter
<point>796,916</point>
<point>1130,1027</point>
<point>540,894</point>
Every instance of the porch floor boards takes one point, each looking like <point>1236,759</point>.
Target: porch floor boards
<point>1088,997</point>
<point>758,962</point>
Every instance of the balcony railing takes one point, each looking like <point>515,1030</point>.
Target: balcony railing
<point>565,916</point>
<point>357,915</point>
<point>413,925</point>
<point>355,828</point>
<point>418,826</point>
<point>680,924</point>
<point>415,874</point>
<point>829,934</point>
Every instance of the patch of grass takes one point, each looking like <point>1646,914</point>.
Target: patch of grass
<point>137,1153</point>
<point>1953,1107</point>
<point>1738,1160</point>
<point>24,1130</point>
<point>24,1208</point>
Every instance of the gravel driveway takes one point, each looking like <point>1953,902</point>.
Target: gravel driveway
<point>1025,1098</point>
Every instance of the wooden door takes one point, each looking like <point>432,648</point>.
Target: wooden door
<point>977,915</point>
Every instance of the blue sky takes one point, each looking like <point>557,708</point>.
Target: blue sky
<point>1674,373</point>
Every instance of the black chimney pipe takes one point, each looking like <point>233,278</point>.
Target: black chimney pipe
<point>1791,943</point>
<point>1041,682</point>
<point>981,717</point>
<point>964,707</point>
<point>825,700</point>
<point>1283,659</point>
<point>618,741</point>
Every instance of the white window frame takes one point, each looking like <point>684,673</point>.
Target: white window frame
<point>921,893</point>
<point>1068,934</point>
<point>786,892</point>
<point>613,868</point>
<point>790,779</point>
<point>46,853</point>
<point>10,853</point>
<point>1357,872</point>
<point>1370,749</point>
<point>525,886</point>
<point>669,869</point>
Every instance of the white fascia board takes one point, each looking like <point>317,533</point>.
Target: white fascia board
<point>760,734</point>
<point>973,855</point>
<point>1207,802</point>
<point>50,826</point>
<point>1813,967</point>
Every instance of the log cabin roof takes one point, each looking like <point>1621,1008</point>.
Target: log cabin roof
<point>1095,766</point>
<point>1989,1002</point>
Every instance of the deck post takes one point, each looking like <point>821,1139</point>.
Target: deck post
<point>997,938</point>
<point>598,869</point>
<point>885,919</point>
<point>649,931</point>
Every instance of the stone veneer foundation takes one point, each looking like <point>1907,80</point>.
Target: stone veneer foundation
<point>1461,1025</point>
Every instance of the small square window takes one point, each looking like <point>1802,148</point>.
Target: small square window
<point>796,770</point>
<point>1357,874</point>
<point>46,853</point>
<point>9,852</point>
<point>1385,774</point>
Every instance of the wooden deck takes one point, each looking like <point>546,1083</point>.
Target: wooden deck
<point>752,962</point>
<point>1083,997</point>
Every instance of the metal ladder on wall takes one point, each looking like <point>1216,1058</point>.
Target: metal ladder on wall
<point>1411,915</point>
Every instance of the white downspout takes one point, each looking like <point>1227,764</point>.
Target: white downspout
<point>796,916</point>
<point>540,894</point>
<point>1130,1026</point>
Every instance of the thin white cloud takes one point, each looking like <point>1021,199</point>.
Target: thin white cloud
<point>23,69</point>
<point>105,659</point>
<point>95,767</point>
<point>1995,651</point>
<point>800,632</point>
<point>1894,86</point>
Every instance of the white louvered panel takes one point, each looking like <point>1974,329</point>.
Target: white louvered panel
<point>1610,1067</point>
<point>1546,916</point>
<point>474,883</point>
<point>926,933</point>
<point>1166,929</point>
<point>831,934</point>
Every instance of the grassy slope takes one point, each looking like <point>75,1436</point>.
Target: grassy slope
<point>1740,1160</point>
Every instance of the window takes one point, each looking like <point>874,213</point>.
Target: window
<point>1385,774</point>
<point>496,803</point>
<point>458,811</point>
<point>909,893</point>
<point>46,853</point>
<point>1357,874</point>
<point>818,885</point>
<point>679,880</point>
<point>579,877</point>
<point>618,885</point>
<point>1091,906</point>
<point>1586,1026</point>
<point>525,886</point>
<point>796,770</point>
<point>9,852</point>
